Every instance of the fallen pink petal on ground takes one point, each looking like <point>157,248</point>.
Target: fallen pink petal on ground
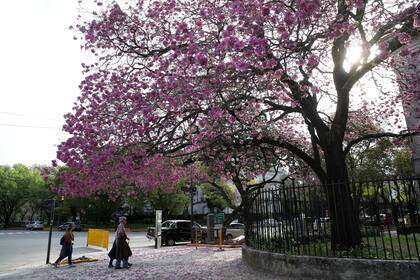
<point>166,263</point>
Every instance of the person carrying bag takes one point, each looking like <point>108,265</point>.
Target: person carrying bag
<point>66,242</point>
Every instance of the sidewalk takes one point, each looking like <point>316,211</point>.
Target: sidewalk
<point>179,262</point>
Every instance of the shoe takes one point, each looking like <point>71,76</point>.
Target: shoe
<point>118,267</point>
<point>55,265</point>
<point>125,267</point>
<point>71,265</point>
<point>130,264</point>
<point>110,265</point>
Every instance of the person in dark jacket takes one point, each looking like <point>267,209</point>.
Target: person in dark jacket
<point>122,249</point>
<point>67,247</point>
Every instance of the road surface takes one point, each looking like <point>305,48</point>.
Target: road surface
<point>20,248</point>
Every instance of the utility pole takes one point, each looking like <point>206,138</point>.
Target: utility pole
<point>192,213</point>
<point>192,191</point>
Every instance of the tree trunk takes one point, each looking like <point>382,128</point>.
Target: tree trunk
<point>8,213</point>
<point>7,219</point>
<point>73,211</point>
<point>345,228</point>
<point>234,215</point>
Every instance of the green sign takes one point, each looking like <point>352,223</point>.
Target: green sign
<point>219,218</point>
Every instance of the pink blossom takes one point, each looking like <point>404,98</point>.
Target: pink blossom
<point>202,59</point>
<point>289,18</point>
<point>312,60</point>
<point>216,113</point>
<point>404,38</point>
<point>404,52</point>
<point>202,123</point>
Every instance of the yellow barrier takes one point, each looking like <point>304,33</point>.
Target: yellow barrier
<point>98,237</point>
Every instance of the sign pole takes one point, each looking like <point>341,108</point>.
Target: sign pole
<point>218,219</point>
<point>191,190</point>
<point>50,233</point>
<point>220,237</point>
<point>158,229</point>
<point>192,213</point>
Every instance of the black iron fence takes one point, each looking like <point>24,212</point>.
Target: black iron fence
<point>294,218</point>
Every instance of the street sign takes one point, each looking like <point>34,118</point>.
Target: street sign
<point>219,218</point>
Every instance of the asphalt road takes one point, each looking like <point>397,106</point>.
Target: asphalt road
<point>20,248</point>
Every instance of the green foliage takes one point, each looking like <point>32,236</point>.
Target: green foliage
<point>98,209</point>
<point>218,197</point>
<point>378,160</point>
<point>137,202</point>
<point>171,203</point>
<point>402,163</point>
<point>19,185</point>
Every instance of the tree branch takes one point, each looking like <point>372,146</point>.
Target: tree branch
<point>377,136</point>
<point>316,167</point>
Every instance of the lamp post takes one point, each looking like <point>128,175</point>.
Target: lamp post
<point>52,202</point>
<point>192,191</point>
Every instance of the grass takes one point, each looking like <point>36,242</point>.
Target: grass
<point>382,246</point>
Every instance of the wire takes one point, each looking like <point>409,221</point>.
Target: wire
<point>29,116</point>
<point>28,126</point>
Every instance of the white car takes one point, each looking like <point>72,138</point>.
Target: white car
<point>322,226</point>
<point>234,230</point>
<point>35,225</point>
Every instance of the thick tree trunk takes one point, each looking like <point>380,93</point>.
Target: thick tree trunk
<point>8,214</point>
<point>6,221</point>
<point>345,229</point>
<point>233,216</point>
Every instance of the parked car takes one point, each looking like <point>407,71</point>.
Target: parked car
<point>176,231</point>
<point>269,227</point>
<point>75,225</point>
<point>35,225</point>
<point>234,230</point>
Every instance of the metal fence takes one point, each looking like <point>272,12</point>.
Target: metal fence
<point>293,218</point>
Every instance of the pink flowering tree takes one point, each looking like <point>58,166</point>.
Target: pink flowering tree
<point>171,80</point>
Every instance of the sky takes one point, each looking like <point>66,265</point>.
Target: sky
<point>40,71</point>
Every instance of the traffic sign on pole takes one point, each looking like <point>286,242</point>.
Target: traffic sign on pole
<point>219,218</point>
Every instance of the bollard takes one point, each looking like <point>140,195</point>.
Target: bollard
<point>196,241</point>
<point>220,237</point>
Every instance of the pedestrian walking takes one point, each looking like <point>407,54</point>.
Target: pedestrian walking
<point>67,247</point>
<point>122,249</point>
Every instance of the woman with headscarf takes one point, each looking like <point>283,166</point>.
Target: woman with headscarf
<point>122,249</point>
